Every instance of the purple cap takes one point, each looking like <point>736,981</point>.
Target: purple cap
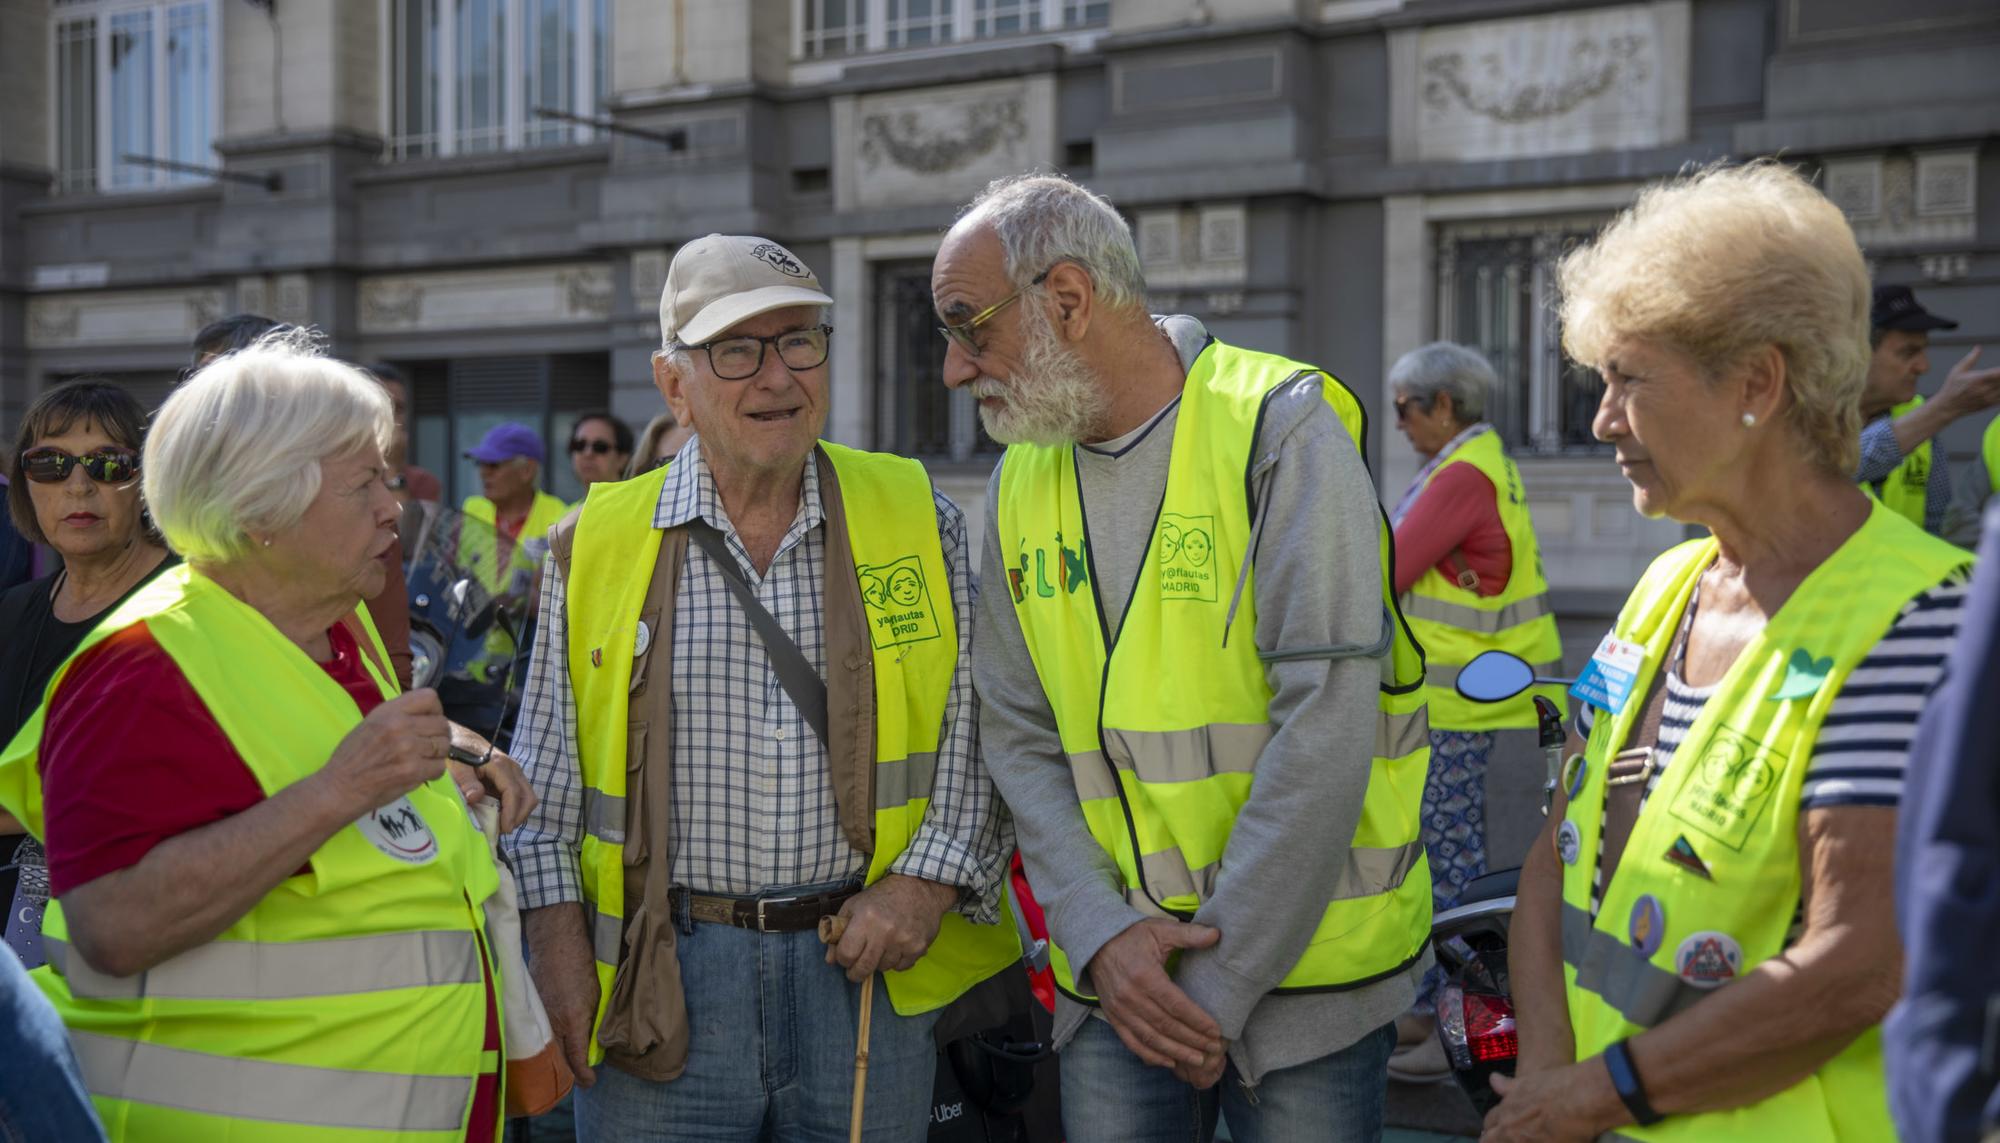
<point>507,441</point>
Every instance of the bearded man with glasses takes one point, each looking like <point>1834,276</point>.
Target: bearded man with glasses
<point>736,738</point>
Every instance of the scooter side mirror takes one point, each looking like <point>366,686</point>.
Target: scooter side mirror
<point>1495,676</point>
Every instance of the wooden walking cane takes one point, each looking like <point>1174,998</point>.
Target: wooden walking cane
<point>830,930</point>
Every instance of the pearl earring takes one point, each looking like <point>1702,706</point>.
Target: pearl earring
<point>1749,420</point>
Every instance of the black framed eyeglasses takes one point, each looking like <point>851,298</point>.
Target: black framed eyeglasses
<point>739,358</point>
<point>961,333</point>
<point>109,465</point>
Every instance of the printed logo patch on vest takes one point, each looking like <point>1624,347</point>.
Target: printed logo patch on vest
<point>1730,786</point>
<point>1186,547</point>
<point>899,603</point>
<point>399,831</point>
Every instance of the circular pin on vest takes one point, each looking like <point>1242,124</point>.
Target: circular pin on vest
<point>1573,774</point>
<point>399,832</point>
<point>1569,843</point>
<point>1648,926</point>
<point>642,640</point>
<point>1709,959</point>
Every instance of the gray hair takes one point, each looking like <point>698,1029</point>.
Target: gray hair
<point>236,449</point>
<point>1045,219</point>
<point>1446,367</point>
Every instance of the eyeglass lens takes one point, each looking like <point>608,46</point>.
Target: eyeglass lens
<point>49,465</point>
<point>736,358</point>
<point>598,447</point>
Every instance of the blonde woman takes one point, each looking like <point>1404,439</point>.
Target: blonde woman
<point>1704,945</point>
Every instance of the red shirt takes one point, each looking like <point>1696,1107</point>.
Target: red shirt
<point>1458,512</point>
<point>132,757</point>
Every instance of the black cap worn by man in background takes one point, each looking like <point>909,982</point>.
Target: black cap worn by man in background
<point>1897,460</point>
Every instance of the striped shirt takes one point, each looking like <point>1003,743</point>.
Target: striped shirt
<point>1864,745</point>
<point>752,807</point>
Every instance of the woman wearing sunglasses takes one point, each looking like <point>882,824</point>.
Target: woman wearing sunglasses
<point>600,446</point>
<point>73,485</point>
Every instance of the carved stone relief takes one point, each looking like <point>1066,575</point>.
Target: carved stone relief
<point>1897,199</point>
<point>1597,79</point>
<point>939,144</point>
<point>1197,246</point>
<point>470,299</point>
<point>649,278</point>
<point>122,317</point>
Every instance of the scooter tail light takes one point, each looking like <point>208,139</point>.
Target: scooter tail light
<point>1490,1033</point>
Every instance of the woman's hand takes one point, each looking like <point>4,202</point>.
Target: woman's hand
<point>499,776</point>
<point>400,745</point>
<point>1557,1105</point>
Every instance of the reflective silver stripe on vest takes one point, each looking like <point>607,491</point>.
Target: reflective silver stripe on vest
<point>1399,734</point>
<point>1476,619</point>
<point>1368,872</point>
<point>1635,987</point>
<point>1188,755</point>
<point>1445,675</point>
<point>1371,871</point>
<point>283,970</point>
<point>898,783</point>
<point>1093,778</point>
<point>607,934</point>
<point>235,1088</point>
<point>604,816</point>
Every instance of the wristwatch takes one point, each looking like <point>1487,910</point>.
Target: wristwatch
<point>469,756</point>
<point>1625,1078</point>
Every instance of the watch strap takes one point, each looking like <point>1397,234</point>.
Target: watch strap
<point>1625,1079</point>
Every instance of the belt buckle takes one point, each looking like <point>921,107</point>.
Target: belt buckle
<point>763,902</point>
<point>1639,754</point>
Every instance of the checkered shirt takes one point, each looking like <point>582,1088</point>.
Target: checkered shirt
<point>752,800</point>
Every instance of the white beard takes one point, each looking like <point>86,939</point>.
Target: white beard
<point>1053,399</point>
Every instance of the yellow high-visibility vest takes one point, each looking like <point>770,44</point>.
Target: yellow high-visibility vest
<point>349,1005</point>
<point>1907,487</point>
<point>1665,936</point>
<point>899,566</point>
<point>1164,725</point>
<point>1454,624</point>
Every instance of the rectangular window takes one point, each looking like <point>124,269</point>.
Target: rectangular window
<point>132,82</point>
<point>1492,282</point>
<point>469,76</point>
<point>915,415</point>
<point>845,27</point>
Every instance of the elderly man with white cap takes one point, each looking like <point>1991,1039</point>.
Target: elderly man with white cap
<point>750,708</point>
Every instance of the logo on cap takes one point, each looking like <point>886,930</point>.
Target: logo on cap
<point>780,259</point>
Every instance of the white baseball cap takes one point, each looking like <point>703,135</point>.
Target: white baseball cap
<point>723,279</point>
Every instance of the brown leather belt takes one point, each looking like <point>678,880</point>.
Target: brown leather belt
<point>791,914</point>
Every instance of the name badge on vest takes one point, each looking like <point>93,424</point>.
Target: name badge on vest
<point>1607,681</point>
<point>399,831</point>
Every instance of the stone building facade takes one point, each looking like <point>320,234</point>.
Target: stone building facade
<point>1337,180</point>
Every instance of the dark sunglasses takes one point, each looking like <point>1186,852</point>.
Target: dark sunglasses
<point>110,465</point>
<point>1403,406</point>
<point>581,445</point>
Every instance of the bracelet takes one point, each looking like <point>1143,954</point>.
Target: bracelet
<point>1625,1078</point>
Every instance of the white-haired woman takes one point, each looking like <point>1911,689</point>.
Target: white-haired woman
<point>1715,871</point>
<point>267,891</point>
<point>1469,573</point>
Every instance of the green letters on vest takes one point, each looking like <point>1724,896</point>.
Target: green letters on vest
<point>1164,726</point>
<point>1666,935</point>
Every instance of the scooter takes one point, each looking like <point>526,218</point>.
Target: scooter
<point>1475,1007</point>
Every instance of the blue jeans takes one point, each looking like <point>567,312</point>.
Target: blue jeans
<point>771,1053</point>
<point>41,1089</point>
<point>1109,1096</point>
